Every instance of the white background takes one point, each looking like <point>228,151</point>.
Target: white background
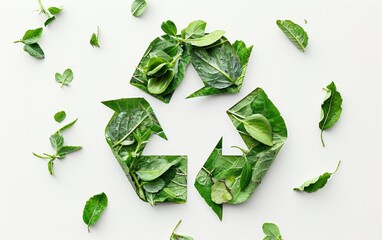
<point>344,46</point>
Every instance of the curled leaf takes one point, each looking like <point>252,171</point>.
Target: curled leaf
<point>294,32</point>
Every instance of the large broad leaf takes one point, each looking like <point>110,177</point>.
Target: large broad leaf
<point>155,179</point>
<point>259,128</point>
<point>331,109</point>
<point>170,46</point>
<point>233,170</point>
<point>218,67</point>
<point>244,53</point>
<point>294,33</point>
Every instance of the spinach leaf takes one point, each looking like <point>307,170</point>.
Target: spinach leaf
<point>60,116</point>
<point>271,231</point>
<point>315,184</point>
<point>258,127</point>
<point>241,174</point>
<point>57,143</point>
<point>138,7</point>
<point>195,29</point>
<point>50,13</point>
<point>94,208</point>
<point>30,39</point>
<point>175,236</point>
<point>155,179</point>
<point>295,33</point>
<point>206,40</point>
<point>331,109</point>
<point>94,39</point>
<point>66,78</point>
<point>169,28</point>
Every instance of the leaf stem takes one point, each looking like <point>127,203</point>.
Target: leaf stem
<point>338,165</point>
<point>322,139</point>
<point>176,227</point>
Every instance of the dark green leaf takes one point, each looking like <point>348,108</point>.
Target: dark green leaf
<point>154,186</point>
<point>49,21</point>
<point>94,39</point>
<point>159,84</point>
<point>32,36</point>
<point>294,32</point>
<point>206,40</point>
<point>138,7</point>
<point>246,176</point>
<point>57,141</point>
<point>218,67</point>
<point>66,78</point>
<point>313,185</point>
<point>271,231</point>
<point>331,108</point>
<point>54,10</point>
<point>94,208</point>
<point>169,28</point>
<point>60,116</point>
<point>195,29</point>
<point>34,50</point>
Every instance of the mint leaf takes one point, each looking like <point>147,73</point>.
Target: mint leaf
<point>271,231</point>
<point>295,33</point>
<point>138,7</point>
<point>169,28</point>
<point>60,116</point>
<point>34,50</point>
<point>66,78</point>
<point>94,208</point>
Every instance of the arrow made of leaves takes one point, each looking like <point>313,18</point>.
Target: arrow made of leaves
<point>233,179</point>
<point>155,179</point>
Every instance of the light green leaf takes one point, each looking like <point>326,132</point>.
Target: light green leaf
<point>138,7</point>
<point>206,40</point>
<point>159,84</point>
<point>294,33</point>
<point>57,141</point>
<point>32,36</point>
<point>195,29</point>
<point>34,50</point>
<point>169,28</point>
<point>175,236</point>
<point>219,193</point>
<point>154,186</point>
<point>50,166</point>
<point>154,169</point>
<point>271,231</point>
<point>67,126</point>
<point>66,78</point>
<point>259,128</point>
<point>331,109</point>
<point>55,10</point>
<point>60,116</point>
<point>94,208</point>
<point>68,149</point>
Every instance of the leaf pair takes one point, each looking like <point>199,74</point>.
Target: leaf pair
<point>57,143</point>
<point>175,236</point>
<point>30,41</point>
<point>66,78</point>
<point>94,208</point>
<point>50,13</point>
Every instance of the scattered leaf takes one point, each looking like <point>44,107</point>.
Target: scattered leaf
<point>295,33</point>
<point>66,78</point>
<point>94,208</point>
<point>60,116</point>
<point>271,231</point>
<point>138,7</point>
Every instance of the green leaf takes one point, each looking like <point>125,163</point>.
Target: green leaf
<point>294,33</point>
<point>218,67</point>
<point>68,149</point>
<point>195,29</point>
<point>259,128</point>
<point>314,184</point>
<point>331,109</point>
<point>49,21</point>
<point>67,126</point>
<point>159,84</point>
<point>138,7</point>
<point>50,166</point>
<point>169,28</point>
<point>175,236</point>
<point>60,116</point>
<point>246,176</point>
<point>66,78</point>
<point>206,40</point>
<point>57,141</point>
<point>154,169</point>
<point>55,10</point>
<point>94,208</point>
<point>271,231</point>
<point>34,50</point>
<point>220,193</point>
<point>94,39</point>
<point>154,186</point>
<point>32,36</point>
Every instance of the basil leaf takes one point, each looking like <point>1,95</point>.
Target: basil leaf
<point>49,21</point>
<point>331,109</point>
<point>94,208</point>
<point>57,141</point>
<point>66,78</point>
<point>159,85</point>
<point>220,193</point>
<point>259,128</point>
<point>175,236</point>
<point>154,186</point>
<point>246,176</point>
<point>169,28</point>
<point>94,39</point>
<point>67,126</point>
<point>134,121</point>
<point>195,29</point>
<point>271,231</point>
<point>60,116</point>
<point>206,40</point>
<point>218,67</point>
<point>54,10</point>
<point>32,36</point>
<point>138,7</point>
<point>258,155</point>
<point>295,33</point>
<point>315,184</point>
<point>34,50</point>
